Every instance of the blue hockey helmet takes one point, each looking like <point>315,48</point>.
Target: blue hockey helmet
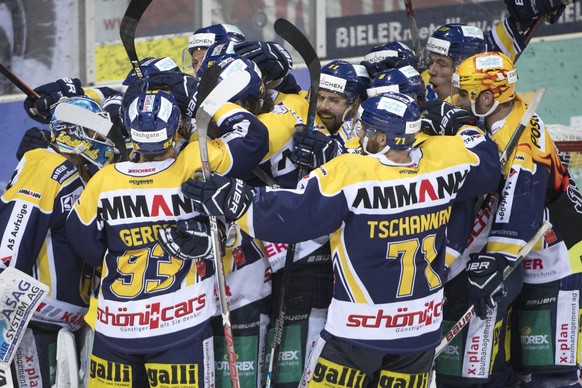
<point>83,133</point>
<point>388,56</point>
<point>396,115</point>
<point>150,65</point>
<point>458,41</point>
<point>405,80</point>
<point>231,63</point>
<point>153,118</point>
<point>343,77</point>
<point>215,34</point>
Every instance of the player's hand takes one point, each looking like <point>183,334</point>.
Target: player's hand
<point>187,240</point>
<point>485,273</point>
<point>34,138</point>
<point>526,11</point>
<point>272,59</point>
<point>311,150</point>
<point>442,118</point>
<point>181,85</point>
<point>50,94</point>
<point>219,196</point>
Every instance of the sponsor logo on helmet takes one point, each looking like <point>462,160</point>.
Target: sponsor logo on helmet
<point>438,46</point>
<point>201,40</point>
<point>378,56</point>
<point>488,62</point>
<point>332,83</point>
<point>393,106</point>
<point>472,32</point>
<point>149,137</point>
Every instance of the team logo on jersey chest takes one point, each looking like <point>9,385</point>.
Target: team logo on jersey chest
<point>384,197</point>
<point>126,206</point>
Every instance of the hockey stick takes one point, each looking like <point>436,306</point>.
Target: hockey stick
<point>18,82</point>
<point>133,14</point>
<point>512,143</point>
<point>457,327</point>
<point>413,29</point>
<point>529,34</point>
<point>223,92</point>
<point>288,31</point>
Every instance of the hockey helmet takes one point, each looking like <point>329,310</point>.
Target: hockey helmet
<point>230,63</point>
<point>388,56</point>
<point>343,77</point>
<point>396,115</point>
<point>405,80</point>
<point>456,40</point>
<point>152,118</point>
<point>150,65</point>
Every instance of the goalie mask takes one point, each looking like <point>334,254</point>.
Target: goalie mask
<point>405,80</point>
<point>492,71</point>
<point>153,119</point>
<point>457,41</point>
<point>394,114</point>
<point>80,126</point>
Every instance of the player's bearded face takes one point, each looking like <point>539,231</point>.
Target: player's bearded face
<point>331,107</point>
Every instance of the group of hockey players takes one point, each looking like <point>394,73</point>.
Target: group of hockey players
<point>396,208</point>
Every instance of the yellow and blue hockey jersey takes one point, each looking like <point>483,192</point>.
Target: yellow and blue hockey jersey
<point>33,210</point>
<point>148,300</point>
<point>388,234</point>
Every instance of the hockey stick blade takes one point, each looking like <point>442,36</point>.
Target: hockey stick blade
<point>288,31</point>
<point>85,118</point>
<point>18,82</point>
<point>133,14</point>
<point>470,313</point>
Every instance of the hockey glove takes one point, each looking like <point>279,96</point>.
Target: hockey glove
<point>272,59</point>
<point>526,11</point>
<point>311,150</point>
<point>182,86</point>
<point>118,133</point>
<point>485,273</point>
<point>34,138</point>
<point>442,118</point>
<point>187,240</point>
<point>219,196</point>
<point>50,94</point>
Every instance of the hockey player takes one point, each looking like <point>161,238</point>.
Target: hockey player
<point>203,38</point>
<point>153,318</point>
<point>405,80</point>
<point>536,185</point>
<point>33,210</point>
<point>385,315</point>
<point>448,46</point>
<point>387,56</point>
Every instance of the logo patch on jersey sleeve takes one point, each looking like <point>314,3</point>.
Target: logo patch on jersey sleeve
<point>63,172</point>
